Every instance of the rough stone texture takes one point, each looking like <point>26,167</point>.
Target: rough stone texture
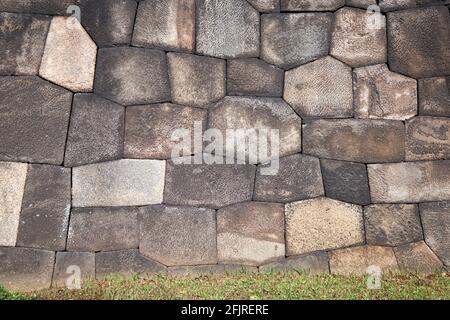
<point>419,42</point>
<point>56,7</point>
<point>254,77</point>
<point>169,25</point>
<point>382,94</point>
<point>12,184</point>
<point>427,138</point>
<point>34,116</point>
<point>265,5</point>
<point>103,229</point>
<point>178,236</point>
<point>132,75</point>
<point>64,267</point>
<point>24,269</point>
<point>214,269</point>
<point>289,40</point>
<point>345,181</point>
<point>434,96</point>
<point>69,55</point>
<point>322,88</point>
<point>95,132</point>
<point>357,140</point>
<point>392,224</point>
<point>436,226</point>
<point>417,257</point>
<point>360,3</point>
<point>227,29</point>
<point>298,178</point>
<point>355,42</point>
<point>358,259</point>
<point>119,183</point>
<point>391,5</point>
<point>45,208</point>
<point>311,5</point>
<point>311,263</point>
<point>410,181</point>
<point>23,40</point>
<point>250,233</point>
<point>149,129</point>
<point>322,224</point>
<point>196,81</point>
<point>214,185</point>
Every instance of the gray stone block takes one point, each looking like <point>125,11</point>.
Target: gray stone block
<point>310,263</point>
<point>53,7</point>
<point>360,3</point>
<point>265,5</point>
<point>417,257</point>
<point>214,269</point>
<point>68,264</point>
<point>311,5</point>
<point>434,96</point>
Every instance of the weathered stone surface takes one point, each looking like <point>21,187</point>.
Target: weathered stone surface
<point>119,183</point>
<point>417,257</point>
<point>69,55</point>
<point>358,259</point>
<point>56,7</point>
<point>227,29</point>
<point>253,115</point>
<point>354,42</point>
<point>24,269</point>
<point>169,25</point>
<point>345,181</point>
<point>355,140</point>
<point>311,5</point>
<point>419,54</point>
<point>125,262</point>
<point>360,3</point>
<point>132,75</point>
<point>382,94</point>
<point>436,227</point>
<point>64,268</point>
<point>45,208</point>
<point>265,5</point>
<point>311,263</point>
<point>12,184</point>
<point>155,141</point>
<point>298,178</point>
<point>434,96</point>
<point>254,77</point>
<point>322,88</point>
<point>322,224</point>
<point>213,269</point>
<point>391,5</point>
<point>216,185</point>
<point>103,229</point>
<point>95,132</point>
<point>34,116</point>
<point>392,224</point>
<point>196,81</point>
<point>178,236</point>
<point>410,181</point>
<point>250,233</point>
<point>291,39</point>
<point>427,138</point>
<point>23,40</point>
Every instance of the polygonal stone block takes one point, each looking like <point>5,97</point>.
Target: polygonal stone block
<point>393,5</point>
<point>310,263</point>
<point>53,7</point>
<point>360,3</point>
<point>434,96</point>
<point>311,5</point>
<point>67,263</point>
<point>212,269</point>
<point>417,257</point>
<point>265,5</point>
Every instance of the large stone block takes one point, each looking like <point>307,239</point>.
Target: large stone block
<point>434,96</point>
<point>54,7</point>
<point>436,227</point>
<point>417,257</point>
<point>360,3</point>
<point>265,5</point>
<point>309,263</point>
<point>311,5</point>
<point>212,269</point>
<point>393,5</point>
<point>69,262</point>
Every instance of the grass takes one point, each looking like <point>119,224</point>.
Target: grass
<point>248,286</point>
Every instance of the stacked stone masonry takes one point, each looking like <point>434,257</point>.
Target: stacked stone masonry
<point>89,108</point>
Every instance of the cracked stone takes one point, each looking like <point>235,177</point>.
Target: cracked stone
<point>311,5</point>
<point>434,96</point>
<point>53,7</point>
<point>65,261</point>
<point>417,257</point>
<point>311,263</point>
<point>265,5</point>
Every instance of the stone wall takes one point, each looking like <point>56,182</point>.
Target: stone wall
<point>361,102</point>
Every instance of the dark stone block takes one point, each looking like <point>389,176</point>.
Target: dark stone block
<point>65,264</point>
<point>310,263</point>
<point>434,96</point>
<point>54,7</point>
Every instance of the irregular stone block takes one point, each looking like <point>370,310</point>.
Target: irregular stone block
<point>119,183</point>
<point>345,181</point>
<point>360,3</point>
<point>391,5</point>
<point>24,269</point>
<point>103,229</point>
<point>34,116</point>
<point>196,81</point>
<point>95,132</point>
<point>68,262</point>
<point>355,140</point>
<point>434,97</point>
<point>132,75</point>
<point>214,269</point>
<point>436,227</point>
<point>178,236</point>
<point>69,55</point>
<point>409,181</point>
<point>311,5</point>
<point>322,88</point>
<point>45,208</point>
<point>419,54</point>
<point>322,224</point>
<point>311,263</point>
<point>382,94</point>
<point>155,141</point>
<point>417,257</point>
<point>254,77</point>
<point>169,25</point>
<point>227,29</point>
<point>427,138</point>
<point>54,7</point>
<point>291,39</point>
<point>12,184</point>
<point>265,5</point>
<point>392,224</point>
<point>250,233</point>
<point>298,178</point>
